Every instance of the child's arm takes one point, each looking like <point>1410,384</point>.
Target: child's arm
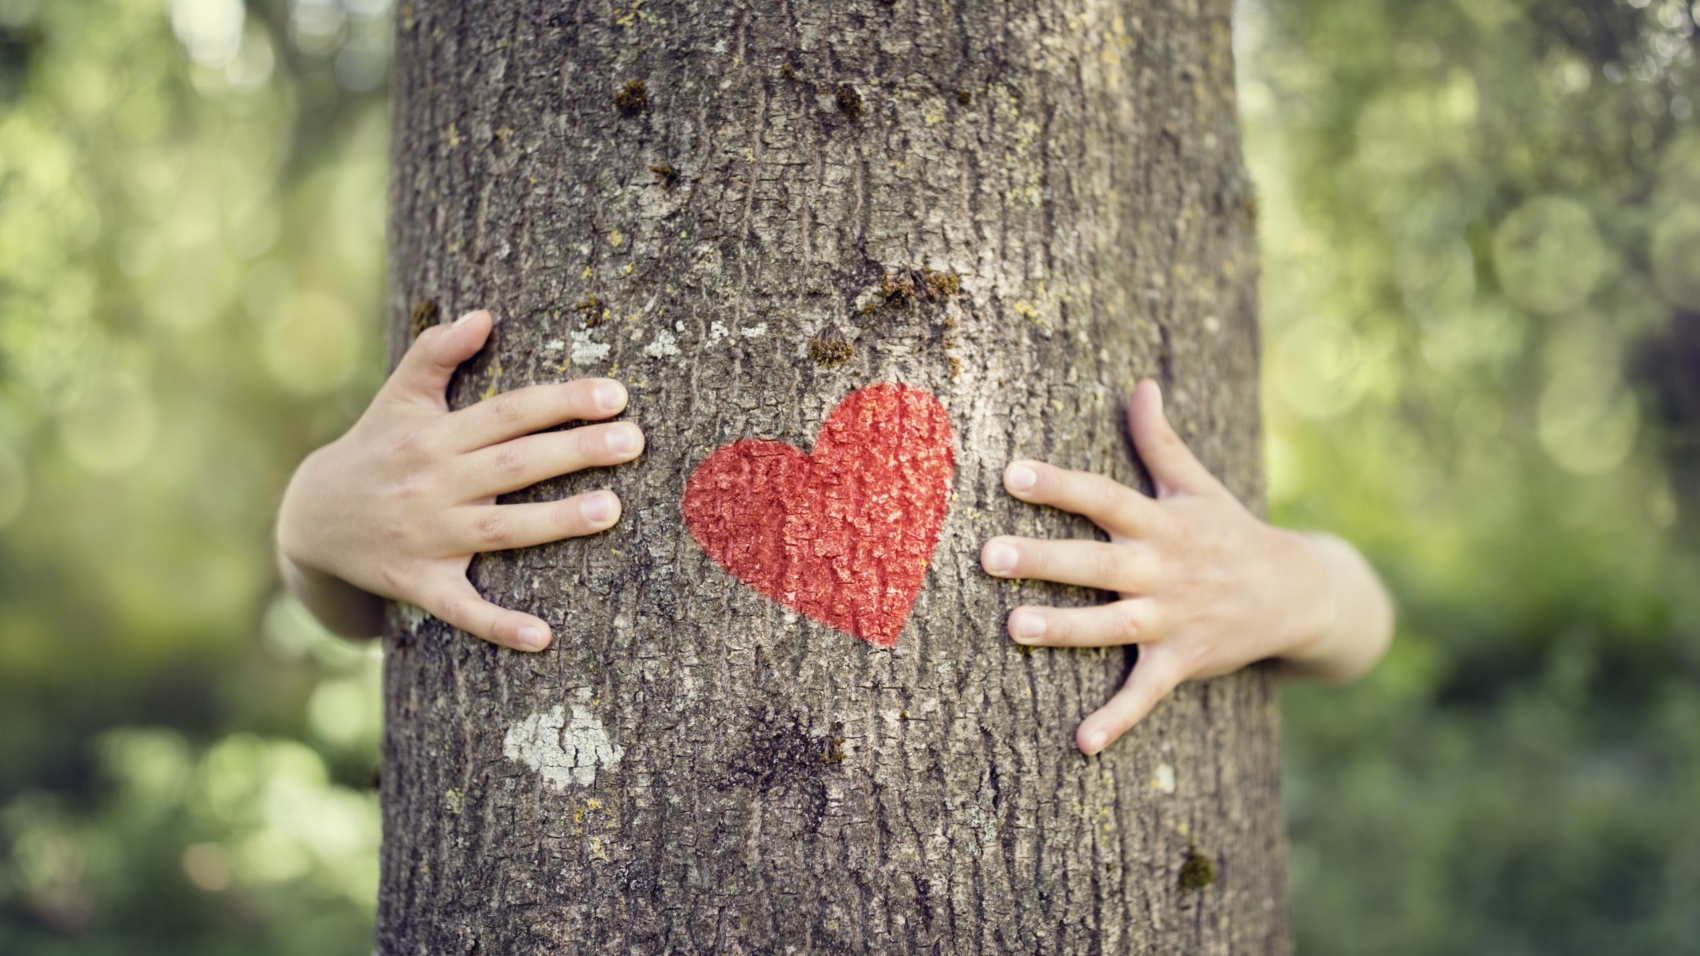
<point>397,507</point>
<point>1206,588</point>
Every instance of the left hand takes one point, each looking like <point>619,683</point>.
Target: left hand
<point>1205,587</point>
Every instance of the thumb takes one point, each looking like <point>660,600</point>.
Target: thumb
<point>1154,677</point>
<point>1172,465</point>
<point>424,371</point>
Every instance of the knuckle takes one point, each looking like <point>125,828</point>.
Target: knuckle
<point>569,517</point>
<point>413,488</point>
<point>1128,627</point>
<point>507,408</point>
<point>402,534</point>
<point>1031,561</point>
<point>450,610</point>
<point>414,447</point>
<point>427,339</point>
<point>493,530</point>
<point>1056,491</point>
<point>1102,498</point>
<point>578,397</point>
<point>587,444</point>
<point>1111,567</point>
<point>509,461</point>
<point>1095,488</point>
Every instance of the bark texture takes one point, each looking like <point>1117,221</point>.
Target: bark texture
<point>746,211</point>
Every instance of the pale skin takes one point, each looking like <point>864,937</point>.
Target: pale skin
<point>1204,587</point>
<point>397,507</point>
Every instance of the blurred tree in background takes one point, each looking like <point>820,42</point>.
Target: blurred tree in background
<point>1481,230</point>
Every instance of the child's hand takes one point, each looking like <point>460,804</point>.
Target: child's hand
<point>1206,588</point>
<point>397,507</point>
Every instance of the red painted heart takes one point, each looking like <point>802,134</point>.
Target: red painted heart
<point>844,534</point>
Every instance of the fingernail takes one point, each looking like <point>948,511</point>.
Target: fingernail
<point>610,396</point>
<point>1020,478</point>
<point>599,508</point>
<point>1026,626</point>
<point>1000,558</point>
<point>531,638</point>
<point>1095,741</point>
<point>466,318</point>
<point>623,439</point>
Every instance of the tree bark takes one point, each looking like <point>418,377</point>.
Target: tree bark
<point>747,212</point>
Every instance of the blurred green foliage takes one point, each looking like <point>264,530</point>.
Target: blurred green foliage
<point>191,285</point>
<point>1481,230</point>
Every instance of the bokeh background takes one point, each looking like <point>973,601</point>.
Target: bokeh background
<point>1481,298</point>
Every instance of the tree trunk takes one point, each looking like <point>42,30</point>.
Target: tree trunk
<point>748,212</point>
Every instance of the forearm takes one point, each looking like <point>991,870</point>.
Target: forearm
<point>1357,631</point>
<point>341,607</point>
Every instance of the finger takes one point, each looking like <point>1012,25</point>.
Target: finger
<point>424,371</point>
<point>1093,564</point>
<point>501,527</point>
<point>1173,466</point>
<point>1110,504</point>
<point>1154,677</point>
<point>1128,621</point>
<point>458,604</point>
<point>524,462</point>
<point>531,409</point>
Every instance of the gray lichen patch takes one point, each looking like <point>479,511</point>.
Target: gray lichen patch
<point>565,752</point>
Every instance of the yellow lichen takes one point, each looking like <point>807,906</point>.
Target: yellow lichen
<point>830,349</point>
<point>665,175</point>
<point>424,315</point>
<point>941,285</point>
<point>849,101</point>
<point>633,98</point>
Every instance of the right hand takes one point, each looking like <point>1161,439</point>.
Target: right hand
<point>397,507</point>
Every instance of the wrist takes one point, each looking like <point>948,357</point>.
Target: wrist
<point>342,607</point>
<point>1315,607</point>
